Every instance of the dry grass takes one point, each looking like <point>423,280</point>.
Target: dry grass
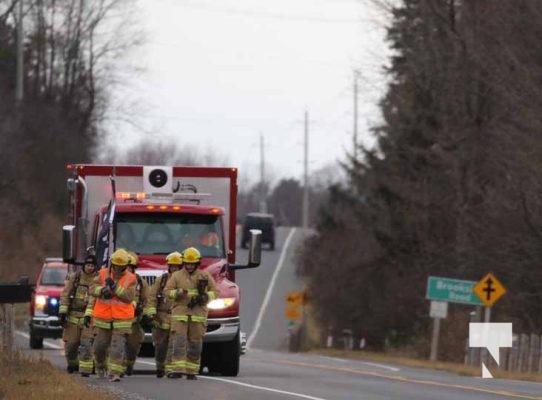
<point>23,378</point>
<point>459,369</point>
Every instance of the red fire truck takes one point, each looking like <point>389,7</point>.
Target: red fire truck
<point>163,209</point>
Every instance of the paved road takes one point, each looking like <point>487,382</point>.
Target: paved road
<point>268,373</point>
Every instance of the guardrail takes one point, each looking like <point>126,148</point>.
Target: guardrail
<point>11,293</point>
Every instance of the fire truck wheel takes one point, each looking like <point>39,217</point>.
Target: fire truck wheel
<point>230,353</point>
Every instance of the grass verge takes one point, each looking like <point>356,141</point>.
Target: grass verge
<point>459,369</point>
<point>23,378</point>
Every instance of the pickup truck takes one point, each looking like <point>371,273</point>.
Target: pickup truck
<point>44,303</point>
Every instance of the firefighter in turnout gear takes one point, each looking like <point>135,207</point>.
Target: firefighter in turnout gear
<point>113,314</point>
<point>159,310</point>
<point>134,340</point>
<point>77,334</point>
<point>190,289</point>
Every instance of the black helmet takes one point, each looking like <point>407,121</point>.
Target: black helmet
<point>90,259</point>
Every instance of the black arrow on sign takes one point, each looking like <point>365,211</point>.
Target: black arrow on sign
<point>488,289</point>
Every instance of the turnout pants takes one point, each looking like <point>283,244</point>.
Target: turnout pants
<point>160,337</point>
<point>185,345</point>
<point>110,342</point>
<point>78,344</point>
<point>133,344</point>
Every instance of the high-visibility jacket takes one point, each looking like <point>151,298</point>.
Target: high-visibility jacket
<point>183,280</point>
<point>120,306</point>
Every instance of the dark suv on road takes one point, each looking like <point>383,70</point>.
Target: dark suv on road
<point>263,222</point>
<point>44,322</point>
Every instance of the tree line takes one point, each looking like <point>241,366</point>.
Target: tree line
<point>68,46</point>
<point>452,189</point>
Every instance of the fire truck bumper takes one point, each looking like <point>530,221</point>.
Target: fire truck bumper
<point>46,327</point>
<point>218,330</point>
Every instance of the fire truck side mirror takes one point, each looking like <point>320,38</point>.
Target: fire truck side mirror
<point>254,251</point>
<point>255,248</point>
<point>68,240</point>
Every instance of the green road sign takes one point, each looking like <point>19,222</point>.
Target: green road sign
<point>452,291</point>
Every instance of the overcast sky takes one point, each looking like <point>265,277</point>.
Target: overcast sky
<point>218,73</point>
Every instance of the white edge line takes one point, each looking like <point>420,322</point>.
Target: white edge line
<point>381,366</point>
<point>344,360</point>
<point>303,396</point>
<point>46,344</point>
<point>270,289</point>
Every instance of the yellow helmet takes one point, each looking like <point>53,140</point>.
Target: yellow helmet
<point>174,258</point>
<point>191,256</point>
<point>120,257</point>
<point>132,259</point>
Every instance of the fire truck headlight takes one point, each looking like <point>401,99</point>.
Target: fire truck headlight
<point>220,304</point>
<point>40,302</point>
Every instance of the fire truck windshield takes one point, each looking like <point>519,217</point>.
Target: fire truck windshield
<point>162,233</point>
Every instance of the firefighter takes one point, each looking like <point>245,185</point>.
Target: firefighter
<point>134,340</point>
<point>77,334</point>
<point>190,289</point>
<point>159,310</point>
<point>113,314</point>
<point>201,235</point>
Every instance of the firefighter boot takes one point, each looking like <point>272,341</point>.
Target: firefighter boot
<point>72,368</point>
<point>160,373</point>
<point>191,377</point>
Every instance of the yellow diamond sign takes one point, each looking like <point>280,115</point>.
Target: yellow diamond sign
<point>294,298</point>
<point>292,313</point>
<point>489,289</point>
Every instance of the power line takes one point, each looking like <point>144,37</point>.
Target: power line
<point>275,16</point>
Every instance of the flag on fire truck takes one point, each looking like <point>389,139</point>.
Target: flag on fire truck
<point>105,239</point>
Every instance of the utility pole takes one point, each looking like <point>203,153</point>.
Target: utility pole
<point>355,130</point>
<point>263,202</point>
<point>19,74</point>
<point>305,205</point>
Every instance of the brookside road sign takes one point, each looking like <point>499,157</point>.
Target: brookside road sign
<point>452,291</point>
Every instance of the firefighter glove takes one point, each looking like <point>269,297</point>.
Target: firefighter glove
<point>193,302</point>
<point>181,294</point>
<point>111,283</point>
<point>87,321</point>
<point>203,299</point>
<point>62,318</point>
<point>106,292</point>
<point>146,322</point>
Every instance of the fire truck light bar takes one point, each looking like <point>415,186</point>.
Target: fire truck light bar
<point>130,196</point>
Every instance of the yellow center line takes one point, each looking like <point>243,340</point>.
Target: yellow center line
<point>409,380</point>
